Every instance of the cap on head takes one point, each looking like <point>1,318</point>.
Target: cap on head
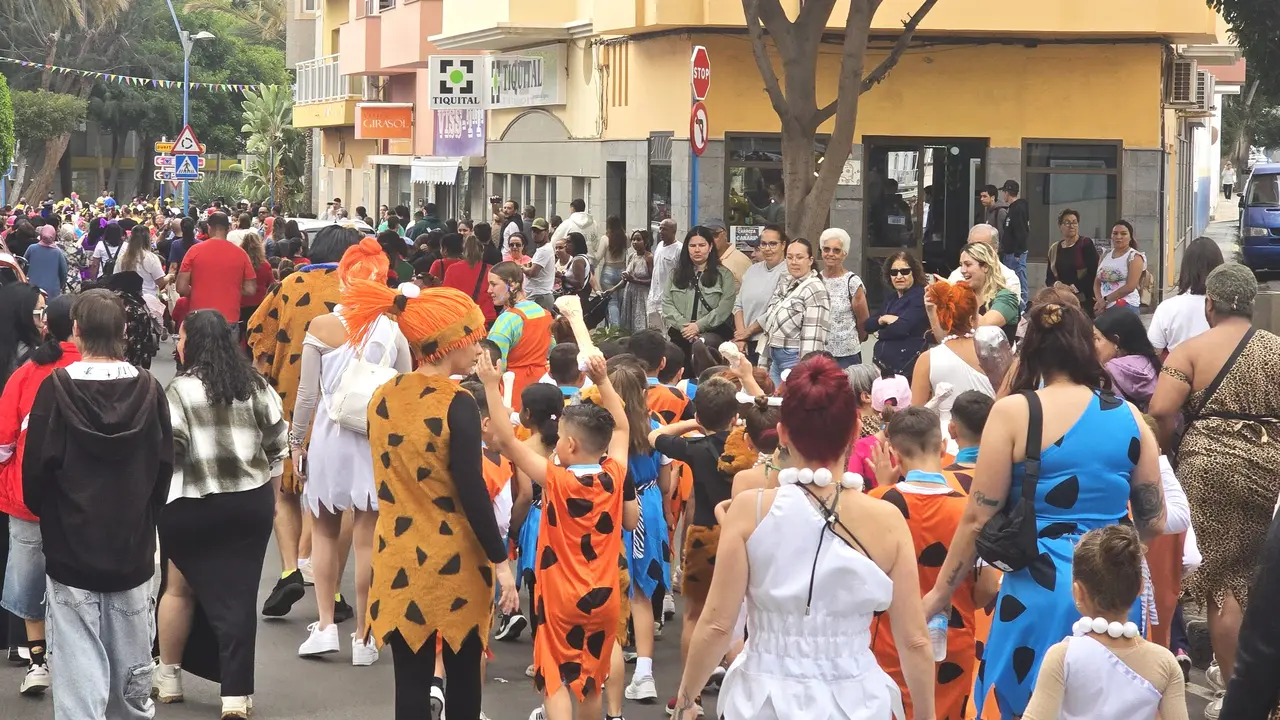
<point>540,224</point>
<point>715,224</point>
<point>1010,186</point>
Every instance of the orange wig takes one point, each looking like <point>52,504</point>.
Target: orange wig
<point>435,321</point>
<point>957,305</point>
<point>363,261</point>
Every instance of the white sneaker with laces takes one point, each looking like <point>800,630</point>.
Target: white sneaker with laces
<point>166,683</point>
<point>236,708</point>
<point>319,642</point>
<point>363,652</point>
<point>642,689</point>
<point>1214,675</point>
<point>538,714</point>
<point>36,680</point>
<point>668,606</point>
<point>308,575</point>
<point>1213,709</point>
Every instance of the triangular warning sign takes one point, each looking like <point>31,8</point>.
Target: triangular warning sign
<point>186,142</point>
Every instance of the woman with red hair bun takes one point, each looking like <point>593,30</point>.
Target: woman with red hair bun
<point>951,367</point>
<point>792,554</point>
<point>337,465</point>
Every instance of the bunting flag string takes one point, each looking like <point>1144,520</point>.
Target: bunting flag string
<point>132,80</point>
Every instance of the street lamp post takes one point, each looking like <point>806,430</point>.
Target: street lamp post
<point>187,40</point>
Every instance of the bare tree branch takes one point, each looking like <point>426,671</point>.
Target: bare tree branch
<point>772,10</point>
<point>857,33</point>
<point>882,70</point>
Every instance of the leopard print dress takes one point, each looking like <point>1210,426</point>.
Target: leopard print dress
<point>1229,465</point>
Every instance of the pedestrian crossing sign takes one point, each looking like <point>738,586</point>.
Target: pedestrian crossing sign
<point>185,167</point>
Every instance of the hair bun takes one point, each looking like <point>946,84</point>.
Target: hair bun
<point>1120,546</point>
<point>1049,314</point>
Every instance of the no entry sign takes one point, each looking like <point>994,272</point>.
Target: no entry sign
<point>699,128</point>
<point>700,72</point>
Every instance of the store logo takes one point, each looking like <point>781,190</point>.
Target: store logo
<point>456,82</point>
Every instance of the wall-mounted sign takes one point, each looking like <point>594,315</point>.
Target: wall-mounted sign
<point>459,133</point>
<point>384,121</point>
<point>528,78</point>
<point>457,81</point>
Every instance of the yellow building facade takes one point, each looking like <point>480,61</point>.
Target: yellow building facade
<point>1066,97</point>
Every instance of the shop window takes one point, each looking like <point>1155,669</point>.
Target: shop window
<point>659,180</point>
<point>756,190</point>
<point>1084,177</point>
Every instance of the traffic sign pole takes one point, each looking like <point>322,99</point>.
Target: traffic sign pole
<point>699,86</point>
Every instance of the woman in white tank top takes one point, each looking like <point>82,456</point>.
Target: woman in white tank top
<point>951,367</point>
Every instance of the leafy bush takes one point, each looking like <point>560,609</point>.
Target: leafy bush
<point>225,185</point>
<point>6,126</point>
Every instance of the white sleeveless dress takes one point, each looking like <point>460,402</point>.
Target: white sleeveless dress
<point>1100,686</point>
<point>339,462</point>
<point>945,366</point>
<point>817,664</point>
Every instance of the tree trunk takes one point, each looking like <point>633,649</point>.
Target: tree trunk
<point>117,154</point>
<point>97,154</point>
<point>143,164</point>
<point>42,183</point>
<point>1248,119</point>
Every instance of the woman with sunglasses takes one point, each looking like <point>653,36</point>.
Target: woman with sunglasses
<point>848,299</point>
<point>515,250</point>
<point>902,322</point>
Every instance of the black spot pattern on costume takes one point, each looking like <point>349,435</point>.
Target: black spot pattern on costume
<point>426,391</point>
<point>422,556</point>
<point>1058,529</point>
<point>539,681</point>
<point>423,473</point>
<point>393,439</point>
<point>978,647</point>
<point>401,580</point>
<point>578,507</point>
<point>933,556</point>
<point>1058,442</point>
<point>576,637</point>
<point>403,523</point>
<point>588,552</point>
<point>1135,450</point>
<point>304,301</point>
<point>589,686</point>
<point>1010,608</point>
<point>273,313</point>
<point>1044,572</point>
<point>1064,494</point>
<point>445,503</point>
<point>570,672</point>
<point>381,410</point>
<point>486,572</point>
<point>606,482</point>
<point>435,425</point>
<point>385,457</point>
<point>444,528</point>
<point>586,480</point>
<point>549,558</point>
<point>373,610</point>
<point>949,672</point>
<point>894,498</point>
<point>957,620</point>
<point>282,336</point>
<point>550,510</point>
<point>540,613</point>
<point>604,524</point>
<point>413,614</point>
<point>452,566</point>
<point>431,447</point>
<point>294,358</point>
<point>1023,658</point>
<point>595,643</point>
<point>382,543</point>
<point>1108,401</point>
<point>430,348</point>
<point>655,571</point>
<point>330,305</point>
<point>384,493</point>
<point>965,480</point>
<point>458,604</point>
<point>594,599</point>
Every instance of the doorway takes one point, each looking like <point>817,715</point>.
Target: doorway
<point>615,188</point>
<point>920,195</point>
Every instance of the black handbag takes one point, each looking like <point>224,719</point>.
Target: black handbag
<point>1008,540</point>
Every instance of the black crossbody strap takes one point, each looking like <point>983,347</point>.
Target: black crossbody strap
<point>1035,430</point>
<point>484,273</point>
<point>1222,374</point>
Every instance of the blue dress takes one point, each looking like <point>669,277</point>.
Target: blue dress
<point>1084,485</point>
<point>647,549</point>
<point>527,539</point>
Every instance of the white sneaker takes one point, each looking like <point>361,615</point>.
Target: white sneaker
<point>236,708</point>
<point>36,680</point>
<point>363,653</point>
<point>1213,709</point>
<point>437,702</point>
<point>717,677</point>
<point>642,689</point>
<point>531,671</point>
<point>1214,675</point>
<point>538,714</point>
<point>320,642</point>
<point>668,606</point>
<point>657,630</point>
<point>308,575</point>
<point>166,683</point>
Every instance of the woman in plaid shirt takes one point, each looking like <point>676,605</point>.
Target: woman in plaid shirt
<point>799,312</point>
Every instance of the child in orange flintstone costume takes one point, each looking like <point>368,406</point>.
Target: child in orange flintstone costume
<point>577,597</point>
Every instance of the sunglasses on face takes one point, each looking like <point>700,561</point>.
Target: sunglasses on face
<point>899,272</point>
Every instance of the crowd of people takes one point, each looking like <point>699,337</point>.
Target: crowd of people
<point>997,515</point>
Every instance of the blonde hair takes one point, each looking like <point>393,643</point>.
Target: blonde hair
<point>994,280</point>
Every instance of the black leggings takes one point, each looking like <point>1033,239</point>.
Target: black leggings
<point>414,672</point>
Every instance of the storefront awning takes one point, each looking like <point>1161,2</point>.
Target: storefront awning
<point>435,171</point>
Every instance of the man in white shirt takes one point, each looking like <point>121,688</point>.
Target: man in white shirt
<point>540,272</point>
<point>987,234</point>
<point>665,257</point>
<point>758,283</point>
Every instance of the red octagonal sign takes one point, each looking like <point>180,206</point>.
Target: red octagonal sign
<point>700,72</point>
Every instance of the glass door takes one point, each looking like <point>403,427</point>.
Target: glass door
<point>892,211</point>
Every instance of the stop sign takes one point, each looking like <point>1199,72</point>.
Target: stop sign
<point>700,72</point>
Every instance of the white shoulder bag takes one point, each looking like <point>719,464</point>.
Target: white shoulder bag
<point>348,406</point>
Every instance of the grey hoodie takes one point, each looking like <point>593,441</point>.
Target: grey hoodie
<point>582,222</point>
<point>994,215</point>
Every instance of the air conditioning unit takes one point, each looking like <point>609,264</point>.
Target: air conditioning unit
<point>1181,90</point>
<point>1205,89</point>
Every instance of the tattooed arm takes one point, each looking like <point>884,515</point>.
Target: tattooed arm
<point>990,490</point>
<point>1146,492</point>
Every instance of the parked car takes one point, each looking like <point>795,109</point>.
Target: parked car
<point>309,226</point>
<point>1260,218</point>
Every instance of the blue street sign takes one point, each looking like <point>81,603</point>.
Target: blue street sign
<point>185,167</point>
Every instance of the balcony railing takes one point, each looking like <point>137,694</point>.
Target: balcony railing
<point>319,81</point>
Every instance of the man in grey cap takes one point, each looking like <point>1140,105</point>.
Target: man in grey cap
<point>540,272</point>
<point>730,256</point>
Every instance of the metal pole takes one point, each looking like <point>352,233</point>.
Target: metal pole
<point>186,106</point>
<point>693,176</point>
<point>272,168</point>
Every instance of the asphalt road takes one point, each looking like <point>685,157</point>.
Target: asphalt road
<point>290,688</point>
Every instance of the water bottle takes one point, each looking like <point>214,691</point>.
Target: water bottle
<point>938,635</point>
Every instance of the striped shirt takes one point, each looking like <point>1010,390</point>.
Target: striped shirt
<point>508,328</point>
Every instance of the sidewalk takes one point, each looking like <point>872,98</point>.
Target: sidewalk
<point>1225,228</point>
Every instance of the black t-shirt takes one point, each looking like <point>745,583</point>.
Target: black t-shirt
<point>710,486</point>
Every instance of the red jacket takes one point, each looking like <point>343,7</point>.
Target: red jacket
<point>474,281</point>
<point>15,405</point>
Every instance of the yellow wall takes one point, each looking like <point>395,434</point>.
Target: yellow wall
<point>1186,20</point>
<point>357,152</point>
<point>942,92</point>
<point>461,16</point>
<point>335,13</point>
<point>583,108</point>
<point>325,114</point>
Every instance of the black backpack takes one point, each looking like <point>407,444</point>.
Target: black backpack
<point>109,267</point>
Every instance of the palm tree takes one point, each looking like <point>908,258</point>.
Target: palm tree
<point>279,149</point>
<point>61,13</point>
<point>259,20</point>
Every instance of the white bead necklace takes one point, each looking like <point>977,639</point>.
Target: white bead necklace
<point>1101,626</point>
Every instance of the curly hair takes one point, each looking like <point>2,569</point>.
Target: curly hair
<point>957,305</point>
<point>917,270</point>
<point>210,353</point>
